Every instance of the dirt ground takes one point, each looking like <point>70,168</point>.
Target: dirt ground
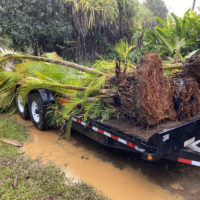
<point>117,174</point>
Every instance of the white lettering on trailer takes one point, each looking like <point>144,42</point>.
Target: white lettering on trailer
<point>165,137</point>
<point>188,142</point>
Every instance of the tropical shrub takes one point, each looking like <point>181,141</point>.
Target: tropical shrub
<point>176,37</point>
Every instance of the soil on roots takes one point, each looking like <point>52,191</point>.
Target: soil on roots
<point>146,95</point>
<point>186,98</point>
<point>192,67</point>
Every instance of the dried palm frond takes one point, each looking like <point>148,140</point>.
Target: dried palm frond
<point>8,82</point>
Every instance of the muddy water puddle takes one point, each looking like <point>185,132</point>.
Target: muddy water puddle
<point>116,174</point>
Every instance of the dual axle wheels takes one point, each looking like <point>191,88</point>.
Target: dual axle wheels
<point>34,109</point>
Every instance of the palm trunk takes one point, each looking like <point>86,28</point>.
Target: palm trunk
<point>193,6</point>
<point>50,60</point>
<point>79,88</point>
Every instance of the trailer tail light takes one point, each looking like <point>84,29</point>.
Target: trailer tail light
<point>149,157</point>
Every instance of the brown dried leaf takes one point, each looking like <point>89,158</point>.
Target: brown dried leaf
<point>12,142</point>
<point>15,182</point>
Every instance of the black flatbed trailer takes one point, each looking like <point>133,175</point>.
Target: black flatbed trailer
<point>180,142</point>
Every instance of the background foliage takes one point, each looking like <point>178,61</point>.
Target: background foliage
<point>36,25</point>
<point>75,28</point>
<point>176,37</point>
<point>158,9</point>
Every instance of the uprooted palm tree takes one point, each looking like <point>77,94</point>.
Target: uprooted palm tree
<point>86,88</point>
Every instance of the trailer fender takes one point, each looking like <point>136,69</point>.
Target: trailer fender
<point>46,95</point>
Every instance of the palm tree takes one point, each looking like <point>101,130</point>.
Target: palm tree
<point>82,86</point>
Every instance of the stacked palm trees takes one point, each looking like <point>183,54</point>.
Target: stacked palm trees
<point>90,91</point>
<point>86,88</point>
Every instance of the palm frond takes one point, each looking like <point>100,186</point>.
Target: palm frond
<point>31,83</point>
<point>100,110</point>
<point>95,85</point>
<point>88,107</point>
<point>6,100</point>
<point>8,82</point>
<point>5,51</point>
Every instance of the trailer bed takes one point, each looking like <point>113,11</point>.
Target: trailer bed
<point>131,128</point>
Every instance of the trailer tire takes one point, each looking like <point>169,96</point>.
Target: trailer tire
<point>37,111</point>
<point>22,110</point>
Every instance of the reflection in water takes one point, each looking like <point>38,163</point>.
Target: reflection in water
<point>118,175</point>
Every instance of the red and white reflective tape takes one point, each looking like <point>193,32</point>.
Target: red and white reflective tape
<point>189,162</point>
<point>131,145</point>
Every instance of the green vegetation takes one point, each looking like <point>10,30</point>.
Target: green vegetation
<point>74,28</point>
<point>86,30</point>
<point>34,180</point>
<point>158,9</point>
<point>176,37</point>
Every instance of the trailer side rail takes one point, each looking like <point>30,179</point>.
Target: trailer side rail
<point>116,138</point>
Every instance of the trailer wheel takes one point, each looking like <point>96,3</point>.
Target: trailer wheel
<point>37,111</point>
<point>21,108</point>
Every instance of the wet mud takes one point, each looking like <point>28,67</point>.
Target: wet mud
<point>117,174</point>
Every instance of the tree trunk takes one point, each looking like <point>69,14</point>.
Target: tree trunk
<point>78,88</point>
<point>193,6</point>
<point>49,60</point>
<point>120,7</point>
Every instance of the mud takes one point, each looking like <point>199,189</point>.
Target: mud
<point>116,174</point>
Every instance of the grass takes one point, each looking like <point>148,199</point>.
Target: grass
<point>35,181</point>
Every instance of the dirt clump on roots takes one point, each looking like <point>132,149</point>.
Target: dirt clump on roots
<point>186,97</point>
<point>146,95</point>
<point>192,67</point>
